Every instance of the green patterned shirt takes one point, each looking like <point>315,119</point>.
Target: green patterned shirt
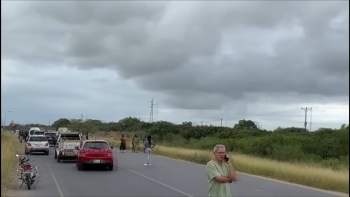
<point>217,189</point>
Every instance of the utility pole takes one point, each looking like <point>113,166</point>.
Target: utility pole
<point>151,112</point>
<point>221,122</point>
<point>81,117</point>
<point>157,110</point>
<point>311,119</point>
<point>306,109</point>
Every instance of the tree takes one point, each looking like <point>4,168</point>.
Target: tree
<point>344,127</point>
<point>245,124</point>
<point>61,122</point>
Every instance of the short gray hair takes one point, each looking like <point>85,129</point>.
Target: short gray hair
<point>219,146</point>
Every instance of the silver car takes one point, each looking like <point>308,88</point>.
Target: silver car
<point>37,143</point>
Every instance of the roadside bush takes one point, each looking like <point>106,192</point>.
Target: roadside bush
<point>10,146</point>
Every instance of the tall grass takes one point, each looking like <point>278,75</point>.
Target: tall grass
<point>9,147</point>
<point>302,173</point>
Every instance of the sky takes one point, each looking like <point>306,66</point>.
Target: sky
<point>201,61</point>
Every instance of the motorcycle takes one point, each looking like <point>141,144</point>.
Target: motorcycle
<point>27,172</point>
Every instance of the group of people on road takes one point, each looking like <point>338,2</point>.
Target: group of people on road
<point>148,145</point>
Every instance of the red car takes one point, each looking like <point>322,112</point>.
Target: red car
<point>93,153</point>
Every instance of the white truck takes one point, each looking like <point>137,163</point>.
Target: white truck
<point>62,129</point>
<point>65,146</point>
<point>31,131</point>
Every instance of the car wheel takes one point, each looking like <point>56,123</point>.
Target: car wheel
<point>110,168</point>
<point>48,152</point>
<point>80,167</point>
<point>55,155</point>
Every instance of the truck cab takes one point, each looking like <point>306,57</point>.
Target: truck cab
<point>65,146</point>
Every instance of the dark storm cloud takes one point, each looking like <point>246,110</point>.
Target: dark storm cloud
<point>199,54</point>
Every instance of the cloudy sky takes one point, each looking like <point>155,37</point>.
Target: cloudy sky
<point>201,61</point>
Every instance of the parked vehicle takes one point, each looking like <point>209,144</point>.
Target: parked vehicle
<point>38,133</point>
<point>65,146</point>
<point>37,143</point>
<point>95,152</point>
<point>27,172</point>
<point>51,137</point>
<point>63,129</point>
<point>31,131</point>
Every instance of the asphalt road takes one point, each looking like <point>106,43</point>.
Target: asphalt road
<point>166,177</point>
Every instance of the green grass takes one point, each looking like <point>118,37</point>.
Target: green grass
<point>302,173</point>
<point>9,147</point>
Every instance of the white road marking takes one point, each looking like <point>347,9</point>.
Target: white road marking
<point>339,194</point>
<point>55,180</point>
<point>165,185</point>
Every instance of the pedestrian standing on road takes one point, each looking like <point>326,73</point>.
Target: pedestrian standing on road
<point>220,173</point>
<point>144,141</point>
<point>122,144</point>
<point>149,145</point>
<point>135,143</point>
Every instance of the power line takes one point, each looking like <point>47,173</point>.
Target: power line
<point>344,108</point>
<point>311,119</point>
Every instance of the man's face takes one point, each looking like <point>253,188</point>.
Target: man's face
<point>220,154</point>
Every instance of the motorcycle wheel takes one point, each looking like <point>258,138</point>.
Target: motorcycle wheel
<point>28,182</point>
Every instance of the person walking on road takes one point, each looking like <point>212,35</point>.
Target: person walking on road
<point>220,173</point>
<point>149,145</point>
<point>122,144</point>
<point>144,146</point>
<point>135,143</point>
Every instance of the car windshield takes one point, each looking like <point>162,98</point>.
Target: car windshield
<point>37,138</point>
<point>32,131</point>
<point>96,145</point>
<point>50,134</point>
<point>70,137</point>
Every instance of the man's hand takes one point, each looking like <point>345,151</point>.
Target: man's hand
<point>223,179</point>
<point>231,179</point>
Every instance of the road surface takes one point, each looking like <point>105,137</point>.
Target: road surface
<point>166,177</point>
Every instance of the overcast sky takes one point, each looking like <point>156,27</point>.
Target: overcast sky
<point>201,61</point>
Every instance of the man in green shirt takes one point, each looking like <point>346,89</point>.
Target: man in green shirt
<point>220,173</point>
